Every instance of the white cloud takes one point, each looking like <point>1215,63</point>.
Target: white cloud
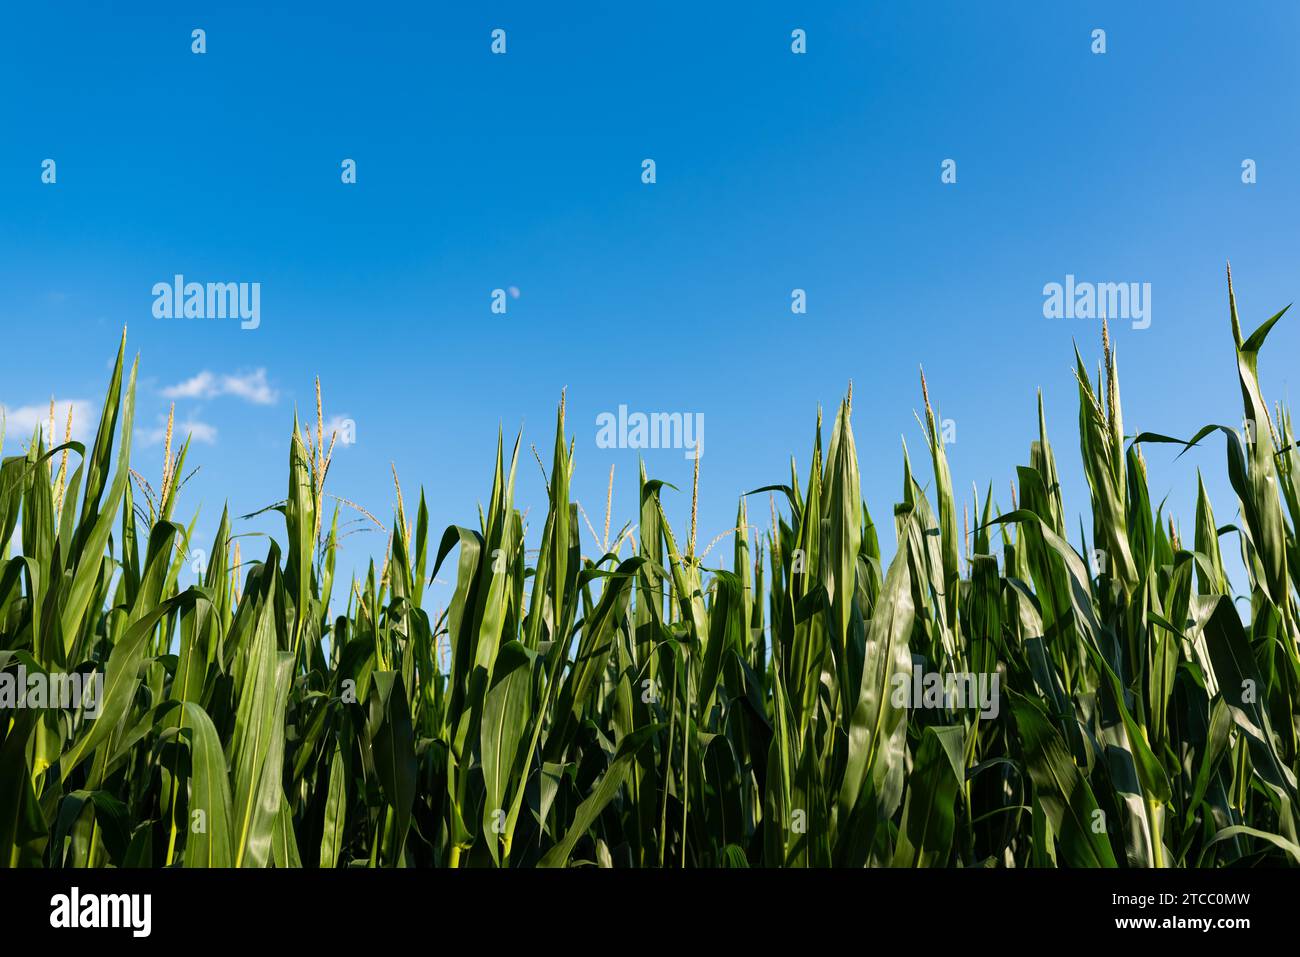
<point>197,430</point>
<point>21,421</point>
<point>346,429</point>
<point>251,387</point>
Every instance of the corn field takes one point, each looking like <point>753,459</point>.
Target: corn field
<point>639,709</point>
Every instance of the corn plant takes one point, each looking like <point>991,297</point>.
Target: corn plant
<point>636,705</point>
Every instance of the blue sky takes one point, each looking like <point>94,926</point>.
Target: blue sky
<point>775,171</point>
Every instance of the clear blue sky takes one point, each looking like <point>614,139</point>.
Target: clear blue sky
<point>775,171</point>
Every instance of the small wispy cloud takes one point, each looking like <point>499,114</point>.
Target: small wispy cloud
<point>344,427</point>
<point>21,421</point>
<point>251,387</point>
<point>197,430</point>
